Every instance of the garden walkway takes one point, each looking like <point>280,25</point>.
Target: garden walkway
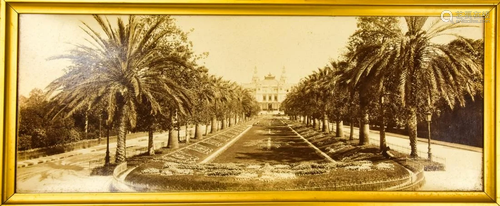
<point>269,141</point>
<point>463,164</point>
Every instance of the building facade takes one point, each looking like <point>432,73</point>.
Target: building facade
<point>269,91</point>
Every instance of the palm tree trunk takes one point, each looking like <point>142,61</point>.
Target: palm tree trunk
<point>178,135</point>
<point>325,124</point>
<point>411,123</point>
<point>173,139</point>
<point>339,130</point>
<point>223,123</point>
<point>121,139</point>
<point>214,125</point>
<point>186,132</point>
<point>364,136</point>
<point>107,157</point>
<point>197,131</point>
<point>382,141</point>
<point>351,129</point>
<point>364,129</point>
<point>151,149</point>
<point>207,128</point>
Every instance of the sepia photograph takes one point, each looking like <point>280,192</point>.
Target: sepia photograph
<point>207,103</point>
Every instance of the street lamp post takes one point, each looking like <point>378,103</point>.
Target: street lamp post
<point>428,118</point>
<point>100,122</point>
<point>382,141</point>
<point>107,157</point>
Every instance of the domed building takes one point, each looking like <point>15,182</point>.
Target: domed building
<point>269,91</point>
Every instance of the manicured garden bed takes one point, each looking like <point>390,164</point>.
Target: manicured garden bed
<point>343,149</point>
<point>355,168</point>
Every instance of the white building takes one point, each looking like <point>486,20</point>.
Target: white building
<point>269,91</point>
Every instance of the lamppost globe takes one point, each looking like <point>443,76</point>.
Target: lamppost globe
<point>428,116</point>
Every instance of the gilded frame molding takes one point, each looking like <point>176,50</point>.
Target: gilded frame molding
<point>10,10</point>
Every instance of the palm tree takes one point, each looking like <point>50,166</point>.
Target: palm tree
<point>203,97</point>
<point>323,81</point>
<point>304,99</point>
<point>298,101</point>
<point>125,67</point>
<point>371,30</point>
<point>423,70</point>
<point>312,89</point>
<point>338,93</point>
<point>236,104</point>
<point>220,90</point>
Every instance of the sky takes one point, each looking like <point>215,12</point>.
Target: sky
<point>235,44</point>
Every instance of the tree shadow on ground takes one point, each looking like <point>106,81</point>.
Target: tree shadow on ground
<point>64,166</point>
<point>105,170</point>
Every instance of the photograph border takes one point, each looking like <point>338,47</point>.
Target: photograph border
<point>9,24</point>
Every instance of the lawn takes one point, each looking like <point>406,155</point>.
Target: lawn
<point>274,144</point>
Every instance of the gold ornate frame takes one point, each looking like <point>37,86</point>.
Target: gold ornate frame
<point>10,10</point>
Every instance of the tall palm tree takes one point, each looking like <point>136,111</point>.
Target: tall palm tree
<point>371,30</point>
<point>312,89</point>
<point>423,70</point>
<point>124,67</point>
<point>324,83</point>
<point>231,105</point>
<point>236,104</point>
<point>337,93</point>
<point>220,90</point>
<point>204,95</point>
<point>299,101</point>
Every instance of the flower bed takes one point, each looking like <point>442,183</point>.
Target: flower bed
<point>212,169</point>
<point>214,142</point>
<point>201,149</point>
<point>181,157</point>
<point>198,151</point>
<point>357,168</point>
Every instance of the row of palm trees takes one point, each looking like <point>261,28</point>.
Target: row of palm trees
<point>143,73</point>
<point>391,73</point>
